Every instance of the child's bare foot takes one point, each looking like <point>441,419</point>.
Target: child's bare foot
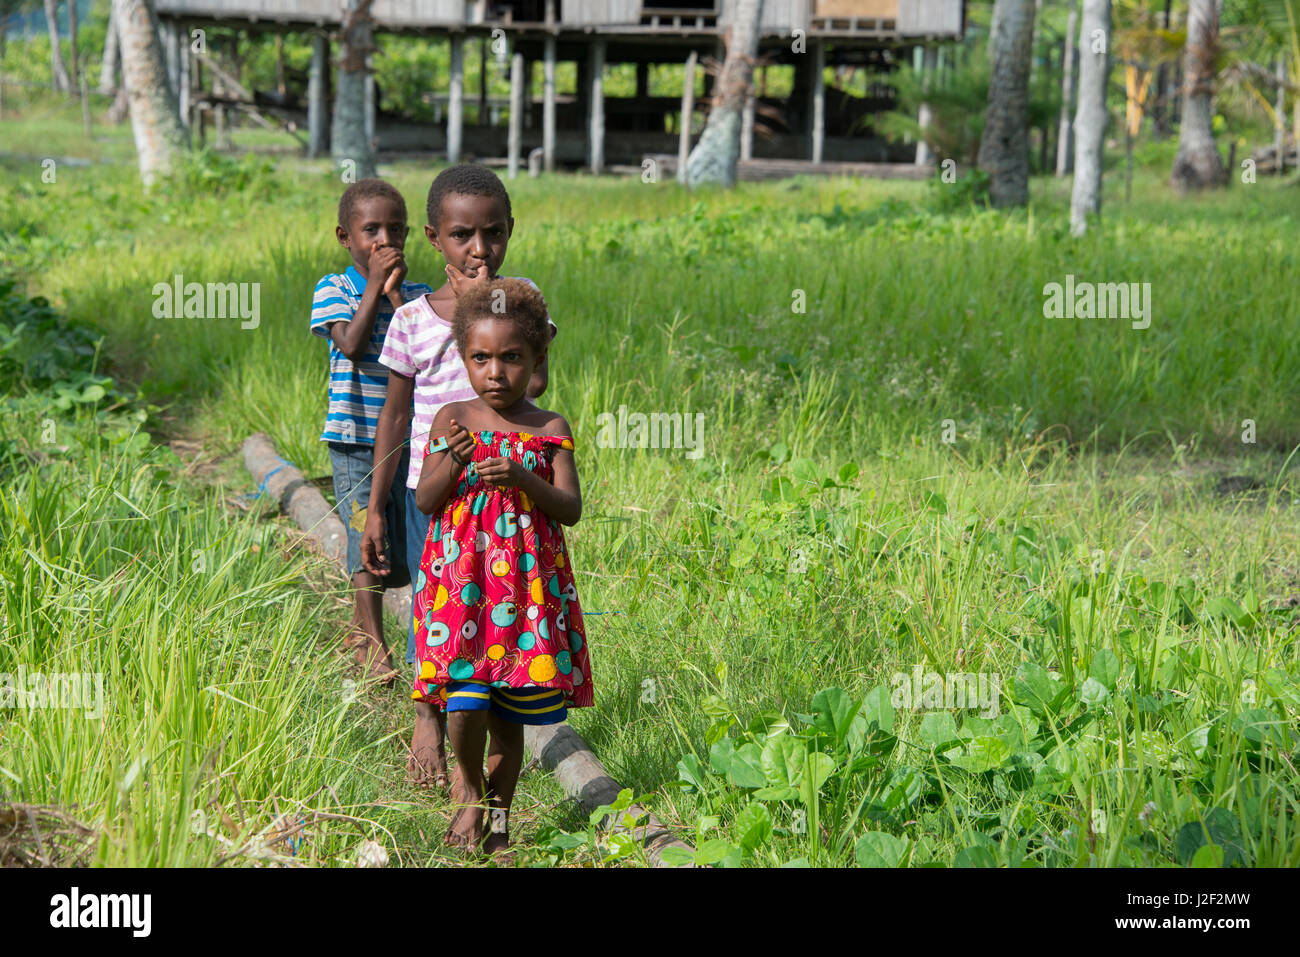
<point>371,654</point>
<point>497,842</point>
<point>427,764</point>
<point>466,828</point>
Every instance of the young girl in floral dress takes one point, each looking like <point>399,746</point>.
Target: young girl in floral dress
<point>499,633</point>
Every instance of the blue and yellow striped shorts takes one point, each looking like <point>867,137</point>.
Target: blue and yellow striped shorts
<point>520,705</point>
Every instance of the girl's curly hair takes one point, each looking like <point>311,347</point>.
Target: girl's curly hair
<point>514,300</point>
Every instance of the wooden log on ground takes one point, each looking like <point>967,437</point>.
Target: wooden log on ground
<point>558,748</point>
<point>303,502</point>
<point>562,751</point>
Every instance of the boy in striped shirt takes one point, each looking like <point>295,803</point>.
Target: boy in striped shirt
<point>470,223</point>
<point>353,310</point>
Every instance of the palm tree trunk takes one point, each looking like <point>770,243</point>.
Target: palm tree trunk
<point>714,158</point>
<point>1198,164</point>
<point>1004,147</point>
<point>1069,79</point>
<point>159,136</point>
<point>109,66</point>
<point>1090,120</point>
<point>62,83</point>
<point>350,143</point>
<point>72,43</point>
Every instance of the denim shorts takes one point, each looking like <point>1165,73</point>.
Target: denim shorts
<point>417,531</point>
<point>353,465</point>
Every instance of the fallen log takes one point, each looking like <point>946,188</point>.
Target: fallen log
<point>558,748</point>
<point>562,751</point>
<point>303,502</point>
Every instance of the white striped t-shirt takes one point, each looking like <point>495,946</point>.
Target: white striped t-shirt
<point>419,345</point>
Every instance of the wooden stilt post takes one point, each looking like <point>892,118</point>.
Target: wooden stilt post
<point>456,97</point>
<point>747,122</point>
<point>516,113</point>
<point>548,106</point>
<point>688,111</point>
<point>597,105</point>
<point>929,69</point>
<point>482,82</point>
<point>196,93</point>
<point>183,77</point>
<point>818,112</point>
<point>171,39</point>
<point>528,92</point>
<point>370,107</point>
<point>317,107</point>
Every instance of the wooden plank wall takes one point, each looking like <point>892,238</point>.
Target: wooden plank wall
<point>913,17</point>
<point>918,17</point>
<point>591,12</point>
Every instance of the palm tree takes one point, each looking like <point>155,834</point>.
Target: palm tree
<point>1090,119</point>
<point>72,41</point>
<point>350,142</point>
<point>155,121</point>
<point>1004,147</point>
<point>713,160</point>
<point>62,82</point>
<point>109,66</point>
<point>1198,164</point>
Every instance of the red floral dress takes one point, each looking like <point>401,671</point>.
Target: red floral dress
<point>495,599</point>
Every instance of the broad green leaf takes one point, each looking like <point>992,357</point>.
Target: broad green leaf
<point>805,471</point>
<point>712,851</point>
<point>782,761</point>
<point>816,769</point>
<point>745,551</point>
<point>1221,828</point>
<point>937,729</point>
<point>878,849</point>
<point>774,794</point>
<point>833,713</point>
<point>742,766</point>
<point>1093,692</point>
<point>768,724</point>
<point>975,857</point>
<point>1208,855</point>
<point>877,710</point>
<point>1035,687</point>
<point>690,771</point>
<point>1104,668</point>
<point>676,856</point>
<point>984,753</point>
<point>753,826</point>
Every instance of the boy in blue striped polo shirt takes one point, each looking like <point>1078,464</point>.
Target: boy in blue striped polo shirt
<point>352,309</point>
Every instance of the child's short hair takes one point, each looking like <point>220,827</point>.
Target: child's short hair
<point>467,179</point>
<point>366,189</point>
<point>513,300</point>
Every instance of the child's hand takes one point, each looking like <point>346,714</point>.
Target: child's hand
<point>384,263</point>
<point>475,274</point>
<point>372,544</point>
<point>460,442</point>
<point>393,287</point>
<point>502,472</point>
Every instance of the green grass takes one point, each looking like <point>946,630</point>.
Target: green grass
<point>827,538</point>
